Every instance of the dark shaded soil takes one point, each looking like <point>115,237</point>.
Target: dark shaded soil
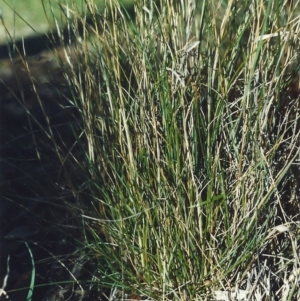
<point>41,170</point>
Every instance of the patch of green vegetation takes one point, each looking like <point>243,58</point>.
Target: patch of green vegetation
<point>25,18</point>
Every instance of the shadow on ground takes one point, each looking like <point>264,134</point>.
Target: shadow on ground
<point>41,168</point>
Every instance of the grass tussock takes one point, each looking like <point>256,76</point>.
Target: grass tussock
<point>191,125</point>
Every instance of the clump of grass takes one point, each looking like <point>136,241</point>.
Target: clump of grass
<point>191,119</point>
<point>191,129</point>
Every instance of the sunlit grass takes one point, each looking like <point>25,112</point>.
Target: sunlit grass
<point>27,18</point>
